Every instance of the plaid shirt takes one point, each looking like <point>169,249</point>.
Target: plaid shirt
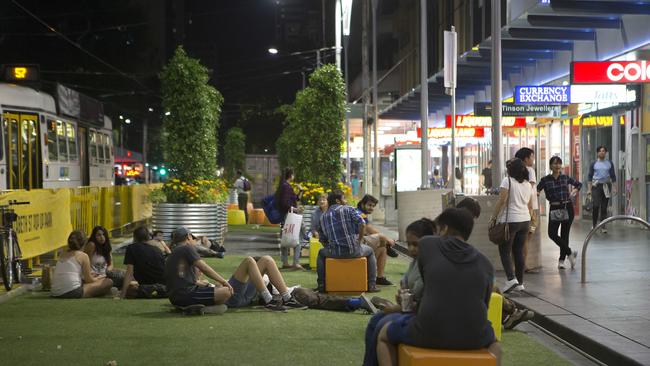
<point>557,190</point>
<point>339,230</point>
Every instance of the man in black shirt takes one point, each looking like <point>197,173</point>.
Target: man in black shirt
<point>487,176</point>
<point>452,313</point>
<point>145,268</point>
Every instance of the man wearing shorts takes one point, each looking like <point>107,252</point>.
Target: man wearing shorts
<point>197,296</point>
<point>380,243</point>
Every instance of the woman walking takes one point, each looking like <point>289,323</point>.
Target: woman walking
<point>560,196</point>
<point>514,207</point>
<point>285,200</point>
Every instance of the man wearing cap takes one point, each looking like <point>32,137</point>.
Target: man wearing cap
<point>145,268</point>
<point>186,291</point>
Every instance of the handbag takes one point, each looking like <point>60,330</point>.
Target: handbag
<point>559,214</point>
<point>499,233</point>
<point>291,230</point>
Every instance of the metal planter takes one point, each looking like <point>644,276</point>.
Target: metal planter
<point>202,219</point>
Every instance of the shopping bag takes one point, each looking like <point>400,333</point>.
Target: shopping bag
<point>291,231</point>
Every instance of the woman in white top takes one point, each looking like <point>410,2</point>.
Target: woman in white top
<point>517,212</point>
<point>99,250</point>
<point>72,277</point>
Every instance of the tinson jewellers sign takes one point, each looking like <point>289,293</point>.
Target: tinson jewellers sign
<point>542,94</point>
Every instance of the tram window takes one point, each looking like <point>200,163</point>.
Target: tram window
<point>107,149</point>
<point>100,148</point>
<point>93,147</point>
<point>63,141</point>
<point>72,141</point>
<point>52,149</point>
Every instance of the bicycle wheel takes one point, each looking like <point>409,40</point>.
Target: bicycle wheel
<point>17,265</point>
<point>5,265</point>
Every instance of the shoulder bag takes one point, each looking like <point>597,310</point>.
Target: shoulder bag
<point>499,233</point>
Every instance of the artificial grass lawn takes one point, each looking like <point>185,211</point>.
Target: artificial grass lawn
<point>38,330</point>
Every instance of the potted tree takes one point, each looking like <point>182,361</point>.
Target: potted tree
<point>194,196</point>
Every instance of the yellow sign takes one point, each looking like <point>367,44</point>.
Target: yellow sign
<point>20,72</point>
<point>44,224</point>
<point>596,121</point>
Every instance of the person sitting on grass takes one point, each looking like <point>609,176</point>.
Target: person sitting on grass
<point>196,296</point>
<point>72,278</point>
<point>411,281</point>
<point>98,247</point>
<point>380,243</point>
<point>145,268</point>
<point>452,313</point>
<point>158,241</point>
<point>341,232</point>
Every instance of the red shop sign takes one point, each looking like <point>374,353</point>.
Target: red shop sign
<point>445,133</point>
<point>478,121</point>
<point>610,72</point>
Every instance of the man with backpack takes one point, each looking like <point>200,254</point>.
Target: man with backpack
<point>243,186</point>
<point>600,178</point>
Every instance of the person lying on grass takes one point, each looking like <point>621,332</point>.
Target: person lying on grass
<point>72,277</point>
<point>186,290</point>
<point>452,313</point>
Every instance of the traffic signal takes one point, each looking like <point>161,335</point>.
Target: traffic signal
<point>162,171</point>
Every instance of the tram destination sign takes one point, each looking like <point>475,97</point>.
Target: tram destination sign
<point>519,110</point>
<point>558,95</point>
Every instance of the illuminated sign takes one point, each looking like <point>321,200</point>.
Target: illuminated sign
<point>477,121</point>
<point>21,73</point>
<point>445,133</point>
<point>610,72</point>
<point>514,110</point>
<point>542,95</point>
<point>596,121</point>
<point>599,94</point>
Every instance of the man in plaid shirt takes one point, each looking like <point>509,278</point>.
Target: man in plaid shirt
<point>341,232</point>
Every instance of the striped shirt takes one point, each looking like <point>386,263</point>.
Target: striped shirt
<point>339,230</point>
<point>557,190</point>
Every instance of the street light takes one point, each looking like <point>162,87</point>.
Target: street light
<point>346,9</point>
<point>273,50</point>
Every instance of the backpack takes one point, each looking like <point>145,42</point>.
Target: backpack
<point>247,184</point>
<point>272,213</point>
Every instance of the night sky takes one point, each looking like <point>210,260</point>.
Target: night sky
<point>113,50</point>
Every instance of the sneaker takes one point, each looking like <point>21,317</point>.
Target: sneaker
<point>294,304</point>
<point>572,259</point>
<point>517,317</point>
<point>115,292</point>
<point>391,252</point>
<point>509,285</point>
<point>380,303</point>
<point>215,309</point>
<point>373,289</point>
<point>382,281</point>
<point>561,265</point>
<point>519,287</point>
<point>196,309</point>
<point>274,305</point>
<point>367,304</point>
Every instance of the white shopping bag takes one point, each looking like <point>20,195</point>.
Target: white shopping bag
<point>291,231</point>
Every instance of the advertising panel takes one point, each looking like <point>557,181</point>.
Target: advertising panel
<point>523,110</point>
<point>528,94</point>
<point>599,94</point>
<point>477,121</point>
<point>408,168</point>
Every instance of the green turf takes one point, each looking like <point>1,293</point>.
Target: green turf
<point>37,330</point>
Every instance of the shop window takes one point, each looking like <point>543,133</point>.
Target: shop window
<point>52,148</point>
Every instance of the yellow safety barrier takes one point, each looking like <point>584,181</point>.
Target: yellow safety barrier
<point>43,226</point>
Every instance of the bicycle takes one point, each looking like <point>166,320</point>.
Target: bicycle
<point>10,253</point>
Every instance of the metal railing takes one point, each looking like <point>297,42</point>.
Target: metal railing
<point>583,277</point>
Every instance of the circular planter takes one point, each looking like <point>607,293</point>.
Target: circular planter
<point>202,219</point>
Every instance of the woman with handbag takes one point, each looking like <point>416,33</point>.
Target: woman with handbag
<point>285,200</point>
<point>511,220</point>
<point>560,197</point>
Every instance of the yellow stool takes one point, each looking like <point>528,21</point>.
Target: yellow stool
<point>236,217</point>
<point>415,356</point>
<point>256,216</point>
<point>495,314</point>
<point>314,247</point>
<point>346,275</point>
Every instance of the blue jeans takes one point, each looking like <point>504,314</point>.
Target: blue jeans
<point>372,334</point>
<point>365,251</point>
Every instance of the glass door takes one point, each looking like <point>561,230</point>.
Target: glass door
<point>23,151</point>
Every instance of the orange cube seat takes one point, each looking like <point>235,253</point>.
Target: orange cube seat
<point>415,356</point>
<point>256,216</point>
<point>346,274</point>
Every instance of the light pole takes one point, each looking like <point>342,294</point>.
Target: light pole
<point>346,10</point>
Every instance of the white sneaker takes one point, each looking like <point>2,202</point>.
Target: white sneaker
<point>509,285</point>
<point>520,287</point>
<point>561,265</point>
<point>572,259</point>
<point>215,309</point>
